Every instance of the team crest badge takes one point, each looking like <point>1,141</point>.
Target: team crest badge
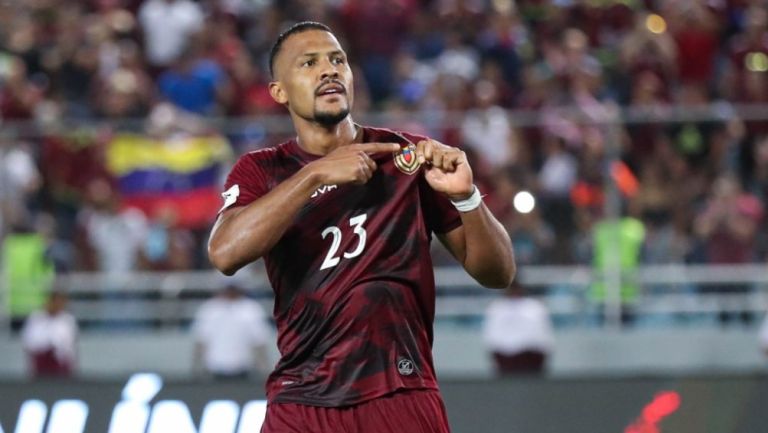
<point>405,366</point>
<point>405,159</point>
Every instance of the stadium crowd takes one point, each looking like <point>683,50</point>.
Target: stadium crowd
<point>80,79</point>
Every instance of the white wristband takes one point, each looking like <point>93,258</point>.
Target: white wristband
<point>471,203</point>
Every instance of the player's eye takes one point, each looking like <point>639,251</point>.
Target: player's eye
<point>338,60</point>
<point>308,63</point>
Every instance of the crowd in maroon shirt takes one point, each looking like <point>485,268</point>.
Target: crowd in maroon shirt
<point>419,63</point>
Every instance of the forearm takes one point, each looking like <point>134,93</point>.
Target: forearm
<point>243,235</point>
<point>488,255</point>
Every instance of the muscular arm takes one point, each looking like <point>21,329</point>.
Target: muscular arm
<point>244,234</point>
<point>482,246</point>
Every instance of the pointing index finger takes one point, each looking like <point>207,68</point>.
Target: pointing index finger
<point>372,148</point>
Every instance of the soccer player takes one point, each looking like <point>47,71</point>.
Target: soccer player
<point>343,216</point>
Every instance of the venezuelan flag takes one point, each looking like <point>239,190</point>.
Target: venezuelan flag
<point>180,174</point>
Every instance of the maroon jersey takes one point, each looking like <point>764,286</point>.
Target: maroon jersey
<point>352,276</point>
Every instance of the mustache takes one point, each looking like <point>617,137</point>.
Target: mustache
<point>330,81</point>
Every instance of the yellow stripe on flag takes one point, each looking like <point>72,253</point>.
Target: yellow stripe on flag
<point>129,152</point>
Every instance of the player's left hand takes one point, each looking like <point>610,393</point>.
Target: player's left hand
<point>446,169</point>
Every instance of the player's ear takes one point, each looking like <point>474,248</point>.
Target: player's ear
<point>277,92</point>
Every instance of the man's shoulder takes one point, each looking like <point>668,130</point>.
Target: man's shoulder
<point>265,152</point>
<point>264,155</point>
<point>375,134</point>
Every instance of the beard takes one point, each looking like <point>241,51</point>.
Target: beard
<point>328,118</point>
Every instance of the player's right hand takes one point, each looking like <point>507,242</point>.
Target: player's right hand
<point>350,164</point>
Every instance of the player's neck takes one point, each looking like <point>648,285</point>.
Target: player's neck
<point>320,140</point>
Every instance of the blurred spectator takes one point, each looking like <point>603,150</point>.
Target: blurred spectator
<point>114,235</point>
<point>744,75</point>
<point>27,270</point>
<point>50,338</point>
<point>518,332</point>
<point>757,175</point>
<point>413,79</point>
<point>649,49</point>
<point>653,204</point>
<point>667,220</point>
<point>617,246</point>
<point>556,179</point>
<point>125,91</point>
<point>20,180</point>
<point>532,238</point>
<point>499,44</point>
<point>728,228</point>
<point>378,27</point>
<point>558,172</point>
<point>18,95</point>
<point>695,29</point>
<point>168,26</point>
<point>167,247</point>
<point>729,223</point>
<point>487,130</point>
<point>251,87</point>
<point>574,57</point>
<point>763,336</point>
<point>458,59</point>
<point>194,83</point>
<point>647,97</point>
<point>231,334</point>
<point>695,140</point>
<point>426,40</point>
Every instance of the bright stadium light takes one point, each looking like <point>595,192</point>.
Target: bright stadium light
<point>656,24</point>
<point>756,62</point>
<point>524,202</point>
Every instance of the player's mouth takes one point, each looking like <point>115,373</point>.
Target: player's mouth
<point>332,88</point>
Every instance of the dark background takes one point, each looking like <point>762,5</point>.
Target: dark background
<point>724,404</point>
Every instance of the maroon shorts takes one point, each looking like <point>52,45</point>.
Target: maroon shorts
<point>411,411</point>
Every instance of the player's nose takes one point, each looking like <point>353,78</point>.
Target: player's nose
<point>329,70</point>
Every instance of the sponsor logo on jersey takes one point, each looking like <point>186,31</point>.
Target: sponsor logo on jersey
<point>230,196</point>
<point>405,366</point>
<point>405,159</point>
<point>322,190</point>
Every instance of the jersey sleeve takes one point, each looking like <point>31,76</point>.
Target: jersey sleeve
<point>440,214</point>
<point>245,183</point>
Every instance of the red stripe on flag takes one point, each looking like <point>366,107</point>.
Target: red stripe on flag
<point>192,209</point>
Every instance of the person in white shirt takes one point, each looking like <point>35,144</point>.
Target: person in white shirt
<point>49,337</point>
<point>231,334</point>
<point>518,332</point>
<point>168,26</point>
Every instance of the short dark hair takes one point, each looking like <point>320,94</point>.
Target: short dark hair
<point>294,29</point>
